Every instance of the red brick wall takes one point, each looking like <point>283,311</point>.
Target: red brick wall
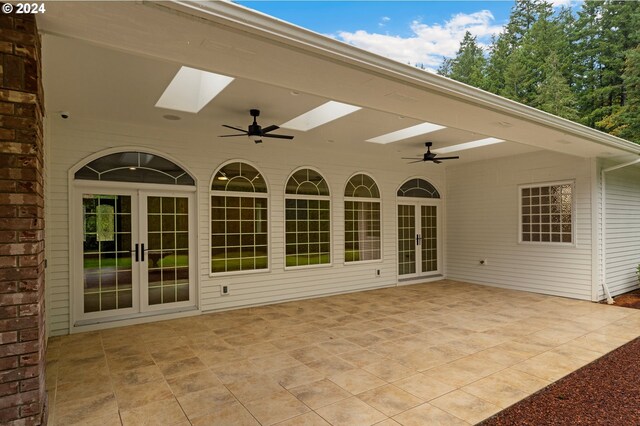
<point>22,332</point>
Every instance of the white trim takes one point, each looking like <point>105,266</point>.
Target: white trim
<point>595,226</point>
<point>573,242</point>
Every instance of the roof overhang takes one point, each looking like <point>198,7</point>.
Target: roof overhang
<point>225,38</point>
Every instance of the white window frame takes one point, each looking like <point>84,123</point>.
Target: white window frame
<point>367,200</point>
<point>307,197</point>
<point>265,195</point>
<point>570,182</point>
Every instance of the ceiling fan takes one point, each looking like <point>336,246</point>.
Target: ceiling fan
<point>429,156</point>
<point>255,132</point>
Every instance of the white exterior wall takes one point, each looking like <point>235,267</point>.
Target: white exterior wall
<point>622,200</point>
<point>73,140</point>
<point>483,223</point>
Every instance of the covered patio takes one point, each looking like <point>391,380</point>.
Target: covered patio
<point>445,352</point>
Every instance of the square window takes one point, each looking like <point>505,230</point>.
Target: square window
<point>546,214</point>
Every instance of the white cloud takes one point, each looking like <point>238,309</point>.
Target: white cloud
<point>560,3</point>
<point>428,43</point>
<point>383,21</point>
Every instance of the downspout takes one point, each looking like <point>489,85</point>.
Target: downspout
<point>604,224</point>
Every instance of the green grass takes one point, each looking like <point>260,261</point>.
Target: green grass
<point>304,259</point>
<point>238,261</point>
<point>122,263</point>
<point>173,261</point>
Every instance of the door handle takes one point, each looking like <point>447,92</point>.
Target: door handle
<point>418,239</point>
<point>137,252</point>
<point>142,252</point>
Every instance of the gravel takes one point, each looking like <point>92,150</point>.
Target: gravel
<point>604,392</point>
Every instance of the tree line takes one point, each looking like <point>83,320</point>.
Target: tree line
<point>582,65</point>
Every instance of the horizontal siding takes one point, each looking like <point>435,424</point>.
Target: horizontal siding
<point>73,140</point>
<point>622,229</point>
<point>483,218</point>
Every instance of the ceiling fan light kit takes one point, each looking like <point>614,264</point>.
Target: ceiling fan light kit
<point>254,131</point>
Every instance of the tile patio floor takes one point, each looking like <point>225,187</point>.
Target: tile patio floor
<point>440,353</point>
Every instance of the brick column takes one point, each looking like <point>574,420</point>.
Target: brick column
<point>22,331</point>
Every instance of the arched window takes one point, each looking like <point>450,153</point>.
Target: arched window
<point>361,219</point>
<point>307,219</point>
<point>239,219</point>
<point>419,188</point>
<point>134,166</point>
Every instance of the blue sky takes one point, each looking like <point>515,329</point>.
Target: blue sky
<point>418,32</point>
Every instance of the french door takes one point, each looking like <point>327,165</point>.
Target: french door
<point>418,239</point>
<point>136,253</point>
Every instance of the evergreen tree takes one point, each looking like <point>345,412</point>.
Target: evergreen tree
<point>468,64</point>
<point>554,94</point>
<point>625,120</point>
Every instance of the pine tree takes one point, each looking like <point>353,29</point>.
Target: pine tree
<point>554,94</point>
<point>625,120</point>
<point>468,64</point>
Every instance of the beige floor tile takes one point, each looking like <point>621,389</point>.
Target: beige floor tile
<point>160,413</point>
<point>388,370</point>
<point>520,380</point>
<point>599,342</point>
<point>356,381</point>
<point>338,346</point>
<point>137,395</point>
<point>572,350</point>
<point>320,393</point>
<point>502,356</point>
<point>231,413</point>
<point>309,354</point>
<point>254,387</point>
<point>549,366</point>
<point>427,414</point>
<point>276,408</point>
<point>181,366</point>
<point>136,376</point>
<point>390,400</point>
<point>173,354</point>
<point>192,382</point>
<point>76,390</point>
<point>81,411</point>
<point>201,403</point>
<point>296,376</point>
<point>424,387</point>
<point>495,391</point>
<point>331,365</point>
<point>362,357</point>
<point>465,406</point>
<point>275,362</point>
<point>307,419</point>
<point>558,336</point>
<point>213,358</point>
<point>364,339</point>
<point>387,422</point>
<point>130,363</point>
<point>229,372</point>
<point>351,412</point>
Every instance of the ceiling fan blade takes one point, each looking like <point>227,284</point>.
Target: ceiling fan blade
<point>269,129</point>
<point>278,136</point>
<point>231,136</point>
<point>417,161</point>
<point>437,161</point>
<point>411,158</point>
<point>234,128</point>
<point>448,158</point>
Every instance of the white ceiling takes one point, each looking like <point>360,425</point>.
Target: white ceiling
<point>113,60</point>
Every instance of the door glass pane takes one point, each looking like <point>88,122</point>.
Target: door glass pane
<point>107,252</point>
<point>406,240</point>
<point>168,249</point>
<point>429,239</point>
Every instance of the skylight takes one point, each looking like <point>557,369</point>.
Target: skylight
<point>468,145</point>
<point>323,114</point>
<point>192,89</point>
<point>409,132</point>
